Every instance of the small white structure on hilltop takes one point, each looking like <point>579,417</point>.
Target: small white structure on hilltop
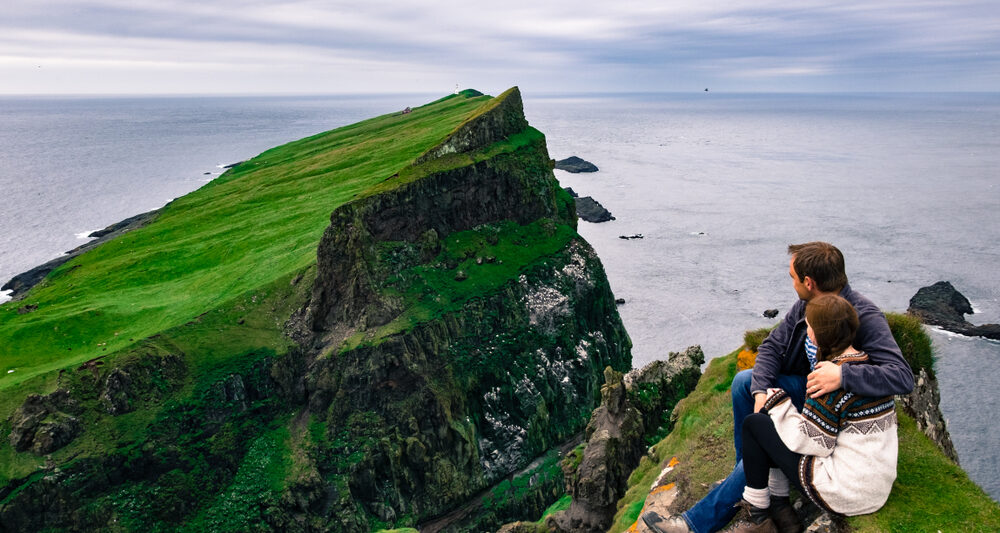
<point>456,88</point>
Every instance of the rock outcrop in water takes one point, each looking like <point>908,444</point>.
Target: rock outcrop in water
<point>591,210</point>
<point>575,165</point>
<point>942,305</point>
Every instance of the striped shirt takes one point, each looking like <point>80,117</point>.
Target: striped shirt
<point>811,353</point>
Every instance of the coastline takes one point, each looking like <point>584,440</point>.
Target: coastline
<point>19,285</point>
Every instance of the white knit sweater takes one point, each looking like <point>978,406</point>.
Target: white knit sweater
<point>848,443</point>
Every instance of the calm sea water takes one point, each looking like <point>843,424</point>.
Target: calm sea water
<point>719,185</point>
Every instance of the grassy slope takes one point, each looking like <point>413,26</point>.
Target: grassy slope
<point>930,493</point>
<point>211,278</point>
<point>259,222</point>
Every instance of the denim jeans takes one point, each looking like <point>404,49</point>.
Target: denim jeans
<point>717,509</point>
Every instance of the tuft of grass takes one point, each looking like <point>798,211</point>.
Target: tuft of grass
<point>753,337</point>
<point>913,341</point>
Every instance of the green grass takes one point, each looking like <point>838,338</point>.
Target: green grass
<point>930,493</point>
<point>258,484</point>
<point>753,337</point>
<point>259,222</point>
<point>431,290</point>
<point>913,341</point>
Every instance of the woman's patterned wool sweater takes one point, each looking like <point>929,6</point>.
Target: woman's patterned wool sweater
<point>848,443</point>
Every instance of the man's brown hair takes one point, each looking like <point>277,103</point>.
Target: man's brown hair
<point>822,262</point>
<point>834,322</point>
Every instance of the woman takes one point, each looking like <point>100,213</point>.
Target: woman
<point>840,450</point>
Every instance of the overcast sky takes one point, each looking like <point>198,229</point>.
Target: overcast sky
<point>316,47</point>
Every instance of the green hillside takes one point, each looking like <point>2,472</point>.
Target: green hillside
<point>362,329</point>
<point>259,222</point>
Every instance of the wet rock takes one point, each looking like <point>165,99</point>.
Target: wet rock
<point>576,165</point>
<point>572,192</point>
<point>771,313</point>
<point>591,210</point>
<point>942,305</point>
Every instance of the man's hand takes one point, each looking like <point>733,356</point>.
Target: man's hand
<point>825,379</point>
<point>758,401</point>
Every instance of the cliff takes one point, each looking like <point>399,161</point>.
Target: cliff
<point>931,492</point>
<point>364,329</point>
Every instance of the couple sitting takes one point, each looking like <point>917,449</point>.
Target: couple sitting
<point>815,412</point>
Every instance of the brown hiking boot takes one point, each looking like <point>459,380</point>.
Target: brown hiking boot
<point>784,517</point>
<point>756,520</point>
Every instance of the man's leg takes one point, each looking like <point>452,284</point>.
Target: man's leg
<point>718,507</point>
<point>743,401</point>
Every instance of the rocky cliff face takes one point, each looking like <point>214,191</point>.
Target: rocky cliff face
<point>455,403</point>
<point>453,329</point>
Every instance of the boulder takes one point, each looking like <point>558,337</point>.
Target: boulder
<point>591,210</point>
<point>43,424</point>
<point>575,165</point>
<point>771,313</point>
<point>942,305</point>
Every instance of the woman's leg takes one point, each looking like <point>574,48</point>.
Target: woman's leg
<point>763,450</point>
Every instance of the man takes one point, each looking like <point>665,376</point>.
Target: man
<point>787,360</point>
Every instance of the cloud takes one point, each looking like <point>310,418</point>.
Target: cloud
<point>560,45</point>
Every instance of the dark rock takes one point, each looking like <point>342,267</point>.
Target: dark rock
<point>619,301</point>
<point>590,210</point>
<point>23,310</point>
<point>129,223</point>
<point>923,404</point>
<point>572,192</point>
<point>43,424</point>
<point>232,165</point>
<point>942,305</point>
<point>630,237</point>
<point>771,313</point>
<point>990,331</point>
<point>116,396</point>
<point>614,446</point>
<point>575,165</point>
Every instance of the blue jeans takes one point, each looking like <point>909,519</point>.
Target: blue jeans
<point>717,509</point>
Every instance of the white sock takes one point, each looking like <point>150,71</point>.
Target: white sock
<point>777,483</point>
<point>759,498</point>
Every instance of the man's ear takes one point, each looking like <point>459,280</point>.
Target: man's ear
<point>808,283</point>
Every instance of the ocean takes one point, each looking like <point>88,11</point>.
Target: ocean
<point>718,185</point>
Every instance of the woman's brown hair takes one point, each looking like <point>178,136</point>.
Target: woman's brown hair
<point>834,322</point>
